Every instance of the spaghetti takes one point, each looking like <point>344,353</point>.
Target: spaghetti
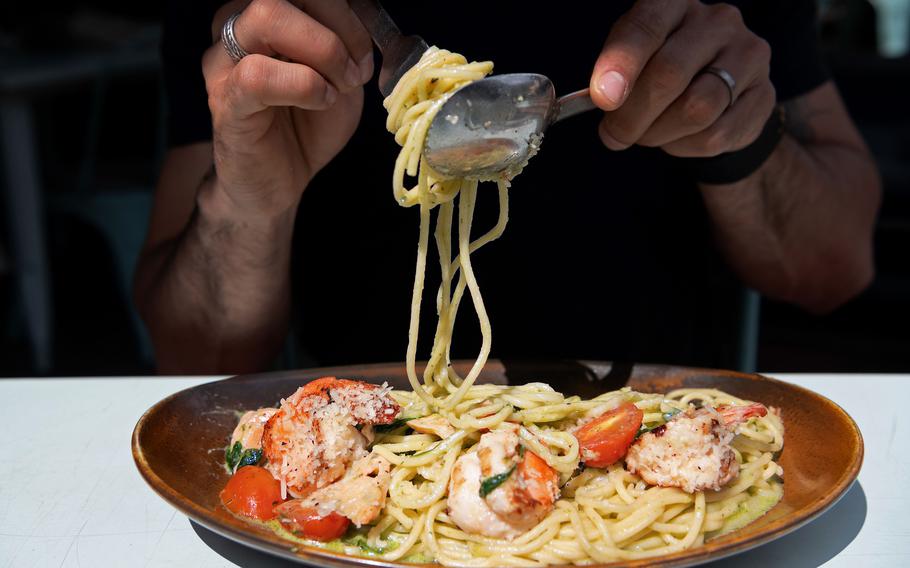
<point>413,104</point>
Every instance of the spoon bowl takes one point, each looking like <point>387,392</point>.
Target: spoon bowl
<point>489,129</point>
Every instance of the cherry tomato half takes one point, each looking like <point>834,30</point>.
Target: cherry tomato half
<point>307,522</point>
<point>606,439</point>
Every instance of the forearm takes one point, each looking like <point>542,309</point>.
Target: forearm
<point>216,297</point>
<point>800,228</point>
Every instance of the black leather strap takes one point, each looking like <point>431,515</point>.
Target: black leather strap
<point>732,167</point>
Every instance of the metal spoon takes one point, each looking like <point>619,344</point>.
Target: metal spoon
<point>490,128</point>
<point>486,129</point>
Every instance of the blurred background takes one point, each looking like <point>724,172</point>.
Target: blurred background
<point>81,138</point>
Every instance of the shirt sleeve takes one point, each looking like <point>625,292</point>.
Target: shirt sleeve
<point>186,36</point>
<point>791,28</point>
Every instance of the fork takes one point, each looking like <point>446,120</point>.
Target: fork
<point>399,52</point>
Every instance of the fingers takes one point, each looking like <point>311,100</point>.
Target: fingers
<point>697,109</point>
<point>338,16</point>
<point>670,98</point>
<point>664,79</point>
<point>258,82</point>
<point>707,97</point>
<point>278,28</point>
<point>633,39</point>
<point>734,130</point>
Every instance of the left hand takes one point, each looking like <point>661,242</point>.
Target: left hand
<point>650,80</point>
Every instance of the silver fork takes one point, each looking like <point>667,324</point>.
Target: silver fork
<point>399,52</point>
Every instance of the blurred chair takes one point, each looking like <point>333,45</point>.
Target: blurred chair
<point>749,320</point>
<point>121,215</point>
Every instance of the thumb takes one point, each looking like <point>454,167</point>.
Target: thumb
<point>635,37</point>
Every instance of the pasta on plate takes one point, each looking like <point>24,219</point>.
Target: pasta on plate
<point>468,474</point>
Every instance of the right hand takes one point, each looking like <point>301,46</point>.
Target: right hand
<point>284,111</point>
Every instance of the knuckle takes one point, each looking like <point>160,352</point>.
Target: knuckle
<point>311,83</point>
<point>251,75</point>
<point>646,21</point>
<point>699,110</point>
<point>262,10</point>
<point>207,62</point>
<point>216,99</point>
<point>726,13</point>
<point>770,93</point>
<point>760,50</point>
<point>667,73</point>
<point>334,50</point>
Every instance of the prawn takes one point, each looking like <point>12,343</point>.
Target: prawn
<point>321,429</point>
<point>692,450</point>
<point>360,495</point>
<point>501,490</point>
<point>249,430</point>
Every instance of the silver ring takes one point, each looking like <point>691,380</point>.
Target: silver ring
<point>728,80</point>
<point>229,41</point>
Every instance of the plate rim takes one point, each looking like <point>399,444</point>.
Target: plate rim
<point>689,557</point>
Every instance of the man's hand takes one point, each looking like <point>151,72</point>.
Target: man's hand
<point>798,229</point>
<point>650,80</point>
<point>281,113</point>
<point>213,281</point>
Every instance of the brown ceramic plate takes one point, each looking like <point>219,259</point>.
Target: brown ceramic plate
<point>178,444</point>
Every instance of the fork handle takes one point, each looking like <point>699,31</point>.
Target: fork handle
<point>378,22</point>
<point>573,103</point>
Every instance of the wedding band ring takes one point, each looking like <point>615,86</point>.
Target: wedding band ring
<point>728,80</point>
<point>230,41</point>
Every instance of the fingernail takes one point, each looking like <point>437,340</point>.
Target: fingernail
<point>612,85</point>
<point>352,74</point>
<point>331,94</point>
<point>366,67</point>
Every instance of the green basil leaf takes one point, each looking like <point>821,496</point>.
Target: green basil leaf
<point>644,430</point>
<point>432,447</point>
<point>489,484</point>
<point>232,455</point>
<point>397,423</point>
<point>250,456</point>
<point>667,416</point>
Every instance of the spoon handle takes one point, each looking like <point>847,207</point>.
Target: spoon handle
<point>573,103</point>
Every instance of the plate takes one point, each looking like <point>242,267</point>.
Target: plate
<point>178,444</point>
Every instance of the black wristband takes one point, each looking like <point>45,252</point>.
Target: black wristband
<point>732,167</point>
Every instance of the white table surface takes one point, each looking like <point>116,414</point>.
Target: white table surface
<point>70,494</point>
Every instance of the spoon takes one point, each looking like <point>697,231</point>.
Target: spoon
<point>489,129</point>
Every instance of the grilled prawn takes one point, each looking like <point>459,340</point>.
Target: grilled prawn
<point>249,430</point>
<point>359,496</point>
<point>500,491</point>
<point>692,451</point>
<point>321,429</point>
